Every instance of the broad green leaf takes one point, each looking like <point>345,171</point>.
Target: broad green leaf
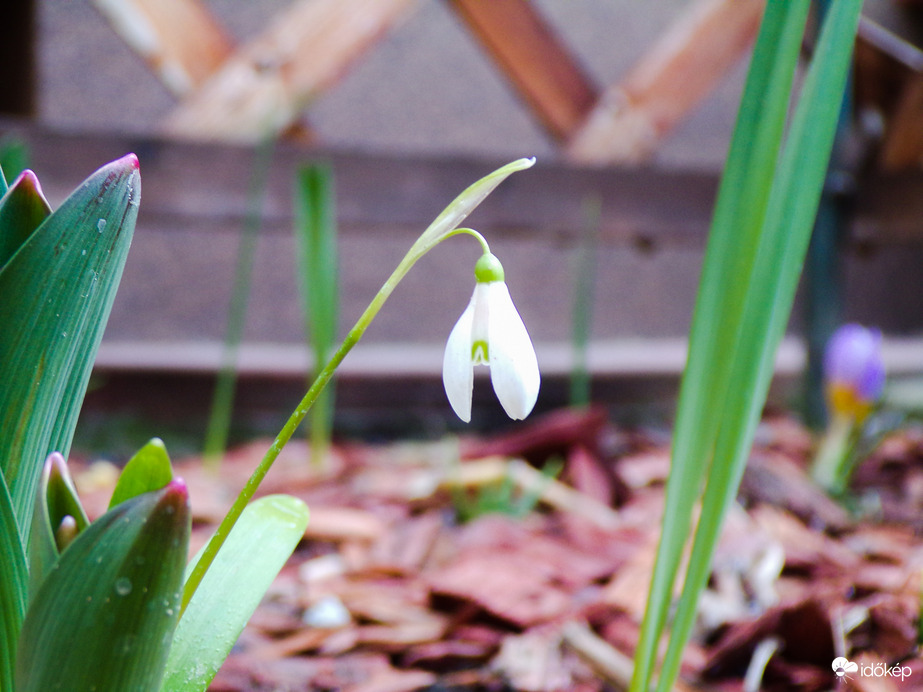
<point>22,209</point>
<point>57,499</point>
<point>149,469</point>
<point>13,581</point>
<point>58,290</point>
<point>256,549</point>
<point>104,617</point>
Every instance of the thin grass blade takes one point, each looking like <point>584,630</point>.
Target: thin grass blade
<point>316,270</point>
<point>219,420</point>
<point>787,230</point>
<point>729,260</point>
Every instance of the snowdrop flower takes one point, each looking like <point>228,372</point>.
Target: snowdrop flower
<point>490,332</point>
<point>854,371</point>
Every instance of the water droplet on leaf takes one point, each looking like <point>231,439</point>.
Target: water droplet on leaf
<point>123,586</point>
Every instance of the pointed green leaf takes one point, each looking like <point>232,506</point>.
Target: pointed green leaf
<point>57,499</point>
<point>13,579</point>
<point>104,617</point>
<point>256,549</point>
<point>149,469</point>
<point>58,290</point>
<point>22,209</point>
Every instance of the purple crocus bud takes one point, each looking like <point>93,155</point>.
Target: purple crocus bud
<point>853,371</point>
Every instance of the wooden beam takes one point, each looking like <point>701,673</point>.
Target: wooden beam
<point>179,39</point>
<point>265,85</point>
<point>889,78</point>
<point>669,81</point>
<point>538,65</point>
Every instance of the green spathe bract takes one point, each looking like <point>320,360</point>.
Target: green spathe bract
<point>257,548</point>
<point>104,617</point>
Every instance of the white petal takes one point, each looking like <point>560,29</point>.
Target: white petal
<point>457,366</point>
<point>513,366</point>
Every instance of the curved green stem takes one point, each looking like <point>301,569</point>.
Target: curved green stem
<point>285,434</point>
<point>470,231</point>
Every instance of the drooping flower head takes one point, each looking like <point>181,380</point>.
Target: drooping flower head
<point>854,371</point>
<point>490,332</point>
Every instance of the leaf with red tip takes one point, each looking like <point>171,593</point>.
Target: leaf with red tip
<point>57,499</point>
<point>57,290</point>
<point>104,617</point>
<point>22,208</point>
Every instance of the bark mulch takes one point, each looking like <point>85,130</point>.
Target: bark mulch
<point>390,592</point>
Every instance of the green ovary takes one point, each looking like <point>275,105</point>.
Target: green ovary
<point>479,352</point>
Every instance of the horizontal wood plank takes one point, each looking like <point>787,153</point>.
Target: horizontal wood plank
<point>653,228</point>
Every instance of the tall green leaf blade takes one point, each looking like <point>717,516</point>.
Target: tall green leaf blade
<point>219,419</point>
<point>316,269</point>
<point>149,469</point>
<point>104,617</point>
<point>13,581</point>
<point>784,240</point>
<point>729,262</point>
<point>22,209</point>
<point>256,549</point>
<point>64,279</point>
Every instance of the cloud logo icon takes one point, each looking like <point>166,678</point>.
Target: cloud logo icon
<point>841,666</point>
